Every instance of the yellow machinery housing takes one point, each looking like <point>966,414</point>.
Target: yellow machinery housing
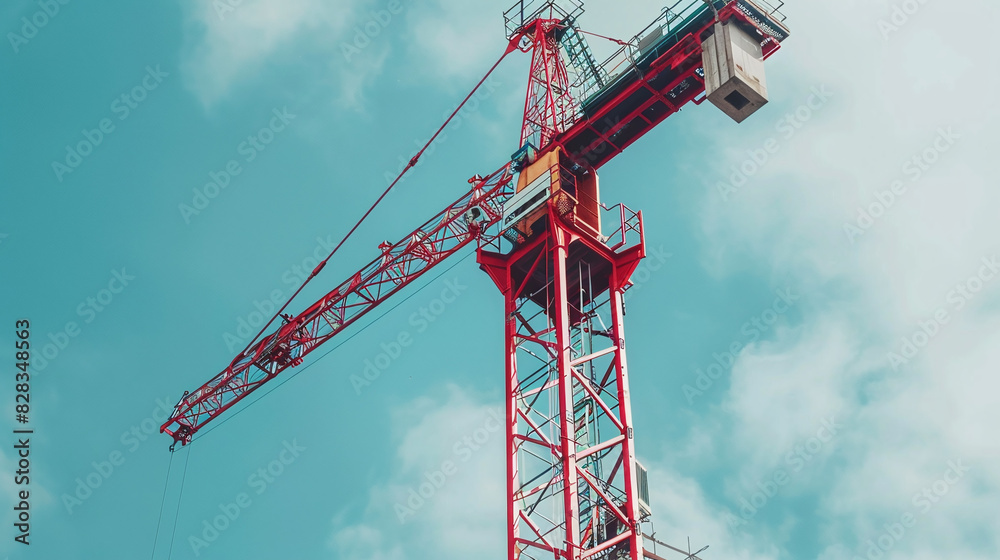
<point>572,189</point>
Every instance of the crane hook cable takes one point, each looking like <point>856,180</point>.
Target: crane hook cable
<point>512,45</point>
<point>163,501</point>
<point>177,512</point>
<point>285,380</point>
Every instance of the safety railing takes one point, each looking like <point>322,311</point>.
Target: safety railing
<point>628,227</point>
<point>771,8</point>
<point>621,227</point>
<point>672,21</point>
<point>624,59</point>
<point>527,11</point>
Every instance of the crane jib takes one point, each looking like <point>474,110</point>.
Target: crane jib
<point>470,218</point>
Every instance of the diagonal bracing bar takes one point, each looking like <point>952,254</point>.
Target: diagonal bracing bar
<point>571,483</point>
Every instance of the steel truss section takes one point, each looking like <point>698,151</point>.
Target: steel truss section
<point>645,90</point>
<point>549,107</point>
<point>571,482</point>
<point>469,219</point>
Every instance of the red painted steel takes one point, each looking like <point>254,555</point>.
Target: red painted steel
<point>549,107</point>
<point>400,264</point>
<point>671,81</point>
<point>569,429</point>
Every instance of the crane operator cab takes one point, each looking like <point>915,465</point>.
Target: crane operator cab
<point>553,180</point>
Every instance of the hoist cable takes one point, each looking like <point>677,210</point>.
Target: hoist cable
<point>163,501</point>
<point>180,496</point>
<point>410,165</point>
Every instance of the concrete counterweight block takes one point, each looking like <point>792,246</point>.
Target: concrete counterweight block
<point>734,71</point>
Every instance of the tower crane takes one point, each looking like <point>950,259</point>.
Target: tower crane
<point>561,259</point>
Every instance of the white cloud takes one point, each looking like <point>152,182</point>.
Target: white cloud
<point>905,424</point>
<point>364,542</point>
<point>804,377</point>
<point>451,41</point>
<point>464,515</point>
<point>444,40</point>
<point>225,46</point>
<point>681,510</point>
<point>457,39</point>
<point>354,80</point>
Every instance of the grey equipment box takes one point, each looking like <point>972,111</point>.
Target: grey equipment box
<point>734,71</point>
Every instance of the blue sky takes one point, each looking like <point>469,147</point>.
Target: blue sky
<point>848,246</point>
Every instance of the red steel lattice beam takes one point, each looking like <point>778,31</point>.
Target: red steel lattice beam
<point>580,467</point>
<point>399,265</point>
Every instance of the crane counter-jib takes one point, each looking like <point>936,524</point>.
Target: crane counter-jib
<point>656,74</point>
